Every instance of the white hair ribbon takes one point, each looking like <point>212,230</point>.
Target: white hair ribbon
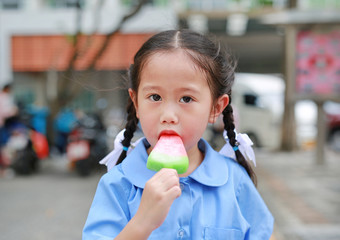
<point>244,145</point>
<point>111,159</point>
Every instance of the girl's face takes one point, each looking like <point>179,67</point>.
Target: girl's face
<point>174,97</point>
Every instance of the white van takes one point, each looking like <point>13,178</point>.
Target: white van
<point>258,103</point>
<point>257,100</point>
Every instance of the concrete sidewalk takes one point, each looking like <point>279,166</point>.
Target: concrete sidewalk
<point>303,197</point>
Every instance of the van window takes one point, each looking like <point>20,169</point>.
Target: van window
<point>250,99</point>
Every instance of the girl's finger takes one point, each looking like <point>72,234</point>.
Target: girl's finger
<point>174,192</point>
<point>167,178</point>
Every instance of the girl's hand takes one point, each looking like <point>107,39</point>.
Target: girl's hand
<point>158,195</point>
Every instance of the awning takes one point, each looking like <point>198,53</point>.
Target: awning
<point>42,53</point>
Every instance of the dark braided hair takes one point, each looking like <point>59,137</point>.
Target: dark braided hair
<point>229,126</point>
<point>209,57</point>
<point>130,128</point>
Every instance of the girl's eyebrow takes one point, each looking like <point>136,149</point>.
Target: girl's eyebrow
<point>190,89</point>
<point>150,88</point>
<point>193,89</point>
<point>182,89</point>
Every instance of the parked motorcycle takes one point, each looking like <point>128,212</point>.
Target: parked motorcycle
<point>87,144</point>
<point>25,148</point>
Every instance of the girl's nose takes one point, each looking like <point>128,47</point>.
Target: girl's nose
<point>169,115</point>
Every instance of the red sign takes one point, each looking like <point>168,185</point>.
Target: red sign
<point>318,63</point>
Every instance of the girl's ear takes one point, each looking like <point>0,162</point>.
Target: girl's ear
<point>133,96</point>
<point>221,103</point>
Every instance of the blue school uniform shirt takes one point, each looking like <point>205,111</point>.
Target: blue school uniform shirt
<point>218,201</point>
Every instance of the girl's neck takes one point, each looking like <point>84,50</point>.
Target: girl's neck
<point>195,159</point>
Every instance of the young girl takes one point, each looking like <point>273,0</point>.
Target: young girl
<point>180,81</point>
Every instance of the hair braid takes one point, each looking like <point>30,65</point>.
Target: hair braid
<point>130,128</point>
<point>229,126</point>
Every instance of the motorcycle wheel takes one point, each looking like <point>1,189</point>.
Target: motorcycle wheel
<point>84,167</point>
<point>25,162</point>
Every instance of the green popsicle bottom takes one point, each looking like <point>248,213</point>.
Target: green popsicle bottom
<point>157,161</point>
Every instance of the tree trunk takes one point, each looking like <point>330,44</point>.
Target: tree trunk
<point>292,3</point>
<point>288,140</point>
<point>68,87</point>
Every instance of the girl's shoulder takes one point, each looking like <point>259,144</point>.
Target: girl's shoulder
<point>237,173</point>
<point>132,171</point>
<point>234,167</point>
<point>116,178</point>
<point>217,169</point>
<point>219,159</point>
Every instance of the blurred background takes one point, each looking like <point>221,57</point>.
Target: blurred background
<point>62,74</point>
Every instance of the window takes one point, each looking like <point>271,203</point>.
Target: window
<point>131,3</point>
<point>65,3</point>
<point>250,99</point>
<point>10,4</point>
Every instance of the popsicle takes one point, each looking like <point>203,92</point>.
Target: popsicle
<point>169,152</point>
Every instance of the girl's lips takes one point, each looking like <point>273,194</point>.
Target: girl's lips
<point>168,132</point>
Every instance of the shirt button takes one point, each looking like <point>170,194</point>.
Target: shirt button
<point>181,233</point>
<point>181,185</point>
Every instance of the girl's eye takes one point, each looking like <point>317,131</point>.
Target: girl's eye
<point>155,97</point>
<point>186,99</point>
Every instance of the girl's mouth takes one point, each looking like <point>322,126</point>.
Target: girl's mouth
<point>167,132</point>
